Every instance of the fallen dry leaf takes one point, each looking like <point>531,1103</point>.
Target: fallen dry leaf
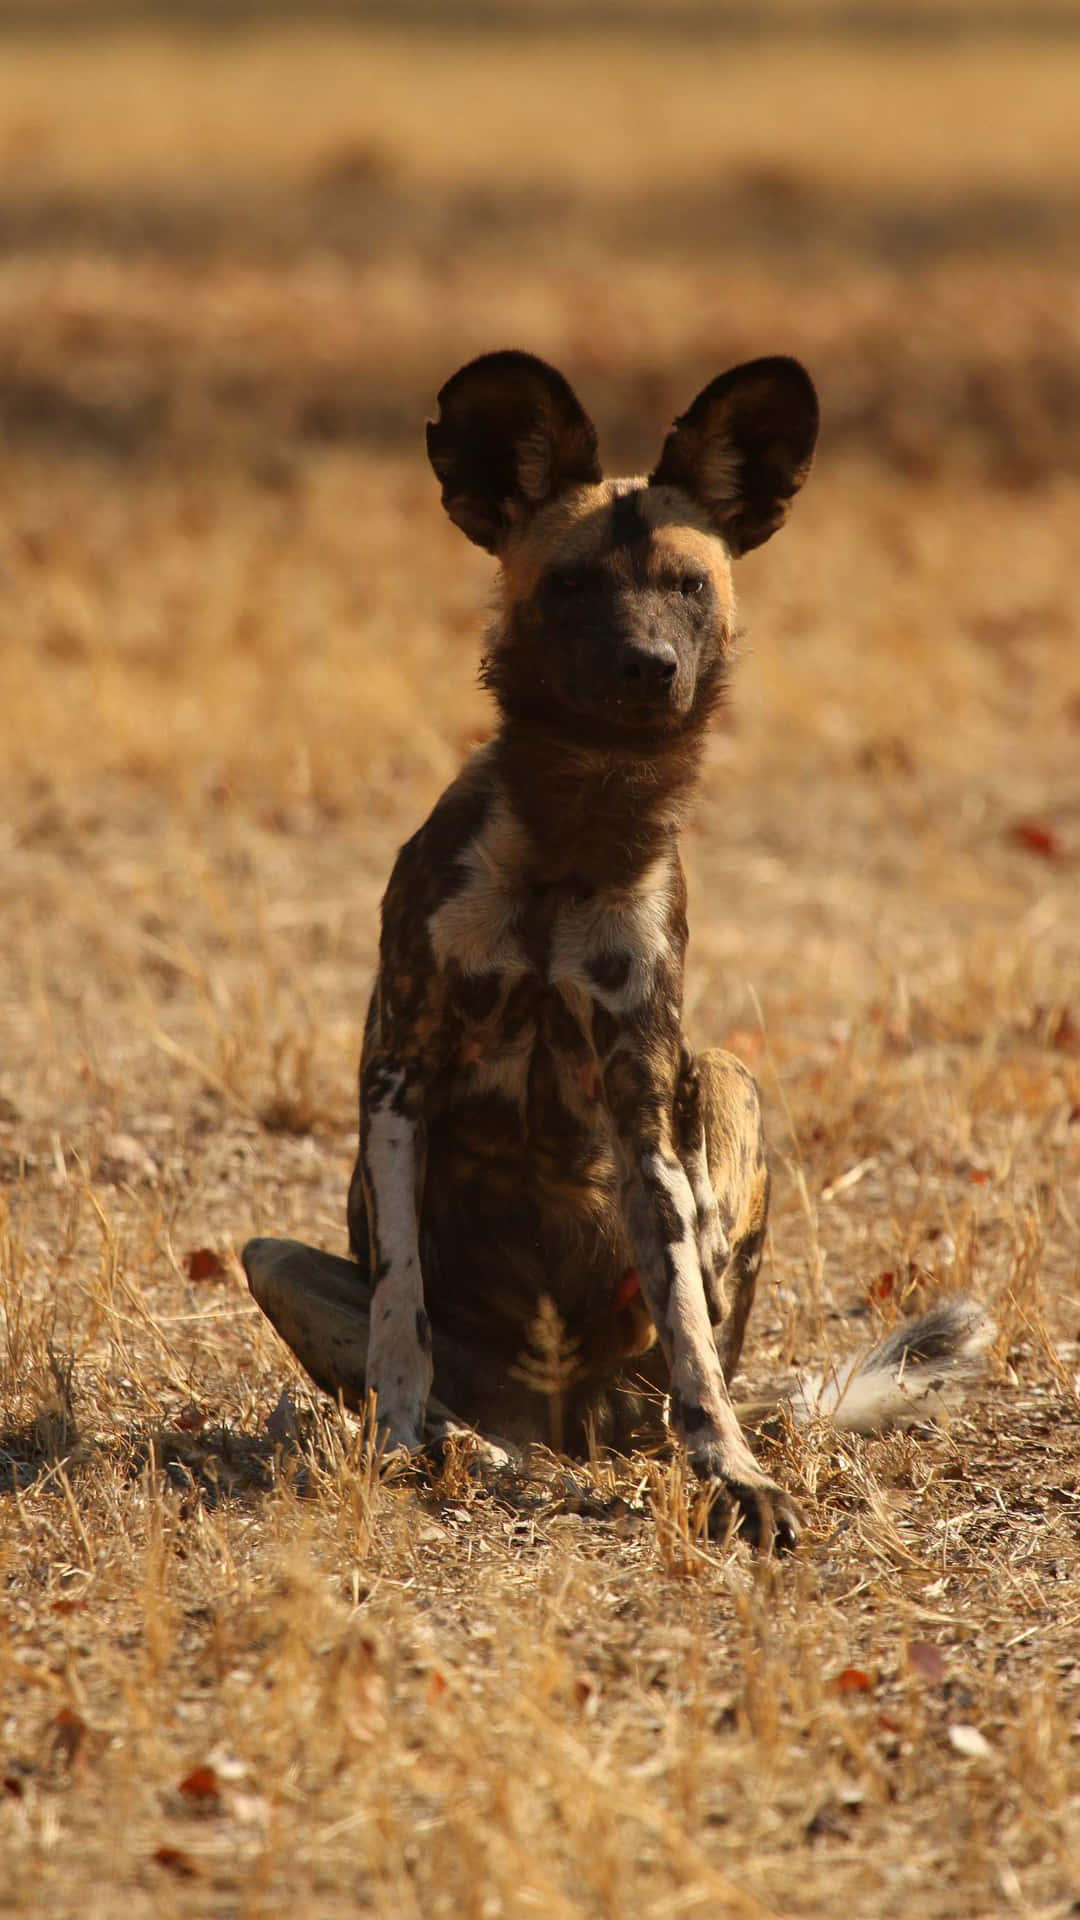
<point>851,1680</point>
<point>228,1765</point>
<point>176,1861</point>
<point>1035,837</point>
<point>970,1742</point>
<point>202,1788</point>
<point>204,1264</point>
<point>927,1661</point>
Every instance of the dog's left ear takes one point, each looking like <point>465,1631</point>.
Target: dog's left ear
<point>744,448</point>
<point>511,435</point>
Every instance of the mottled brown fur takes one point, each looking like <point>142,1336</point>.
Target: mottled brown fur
<point>538,1143</point>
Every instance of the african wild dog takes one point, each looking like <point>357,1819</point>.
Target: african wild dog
<point>533,1123</point>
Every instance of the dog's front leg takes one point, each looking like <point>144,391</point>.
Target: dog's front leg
<point>400,1369</point>
<point>662,1221</point>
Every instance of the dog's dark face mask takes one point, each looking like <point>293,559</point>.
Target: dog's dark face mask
<point>616,616</point>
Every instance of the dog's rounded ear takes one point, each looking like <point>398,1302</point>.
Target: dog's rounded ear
<point>510,436</point>
<point>744,448</point>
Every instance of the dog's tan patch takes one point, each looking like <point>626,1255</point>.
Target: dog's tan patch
<point>569,532</point>
<point>579,529</point>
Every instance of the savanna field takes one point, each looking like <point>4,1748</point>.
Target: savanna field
<point>240,1673</point>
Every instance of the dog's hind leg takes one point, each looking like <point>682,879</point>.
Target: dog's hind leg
<point>320,1304</point>
<point>722,1145</point>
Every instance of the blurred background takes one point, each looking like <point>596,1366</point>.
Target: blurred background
<point>239,254</point>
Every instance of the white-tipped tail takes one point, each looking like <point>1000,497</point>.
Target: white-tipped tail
<point>908,1378</point>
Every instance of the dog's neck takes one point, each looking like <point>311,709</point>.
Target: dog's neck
<point>597,817</point>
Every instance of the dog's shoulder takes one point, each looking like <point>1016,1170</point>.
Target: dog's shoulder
<point>433,864</point>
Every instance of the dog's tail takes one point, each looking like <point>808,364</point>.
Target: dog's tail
<point>910,1377</point>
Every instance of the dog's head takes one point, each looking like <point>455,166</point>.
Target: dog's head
<point>616,594</point>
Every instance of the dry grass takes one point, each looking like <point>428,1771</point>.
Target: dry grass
<point>237,652</point>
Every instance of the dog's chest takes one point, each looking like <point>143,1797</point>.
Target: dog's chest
<point>527,969</point>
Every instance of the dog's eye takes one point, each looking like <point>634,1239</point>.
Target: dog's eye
<point>568,581</point>
<point>692,584</point>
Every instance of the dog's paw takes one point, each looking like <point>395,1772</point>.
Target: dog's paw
<point>479,1453</point>
<point>399,1424</point>
<point>399,1374</point>
<point>757,1508</point>
<point>766,1516</point>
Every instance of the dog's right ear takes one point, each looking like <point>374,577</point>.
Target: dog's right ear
<point>743,449</point>
<point>510,436</point>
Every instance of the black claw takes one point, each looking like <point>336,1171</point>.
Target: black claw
<point>786,1537</point>
<point>431,1459</point>
<point>431,1462</point>
<point>764,1516</point>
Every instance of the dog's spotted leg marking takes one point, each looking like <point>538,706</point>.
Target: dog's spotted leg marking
<point>399,1370</point>
<point>713,1232</point>
<point>664,1225</point>
<point>663,1219</point>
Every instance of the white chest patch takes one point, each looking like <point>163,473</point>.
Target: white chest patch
<point>593,935</point>
<point>476,927</point>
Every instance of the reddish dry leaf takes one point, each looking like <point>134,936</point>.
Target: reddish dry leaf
<point>176,1860</point>
<point>204,1264</point>
<point>883,1287</point>
<point>67,1606</point>
<point>13,1786</point>
<point>1036,837</point>
<point>927,1661</point>
<point>190,1420</point>
<point>436,1686</point>
<point>201,1786</point>
<point>852,1680</point>
<point>887,1723</point>
<point>979,1176</point>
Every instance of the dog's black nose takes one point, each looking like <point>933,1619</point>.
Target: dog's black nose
<point>648,670</point>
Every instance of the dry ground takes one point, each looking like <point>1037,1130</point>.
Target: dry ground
<point>237,649</point>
